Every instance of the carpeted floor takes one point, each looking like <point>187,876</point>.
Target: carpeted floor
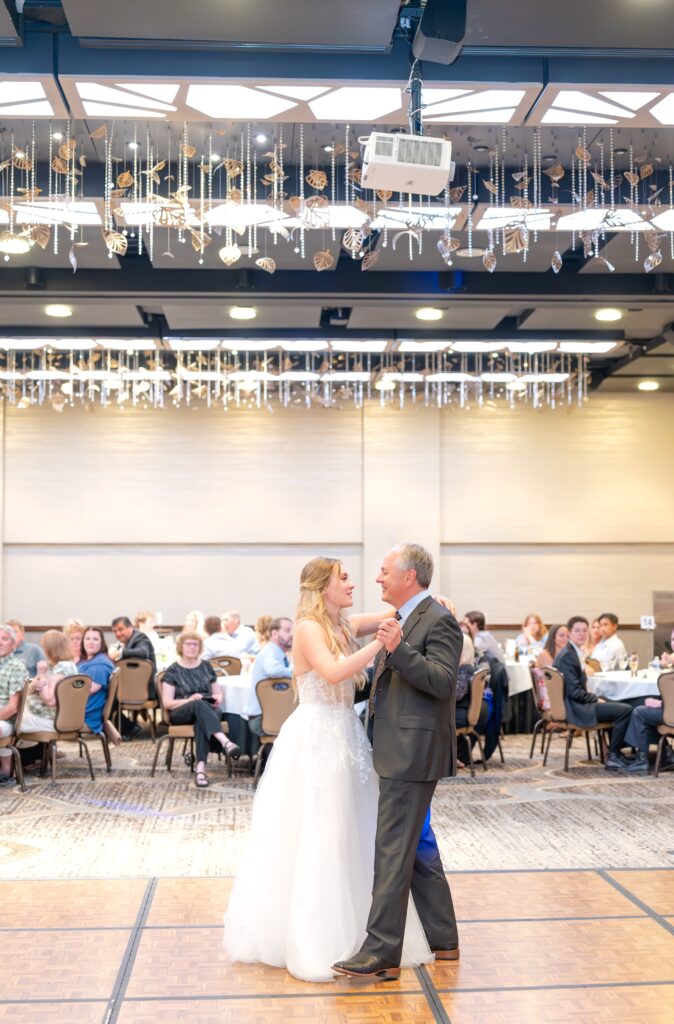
<point>514,816</point>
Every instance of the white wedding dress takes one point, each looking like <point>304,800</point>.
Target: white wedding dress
<point>302,896</point>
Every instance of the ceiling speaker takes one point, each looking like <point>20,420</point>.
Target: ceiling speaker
<point>439,37</point>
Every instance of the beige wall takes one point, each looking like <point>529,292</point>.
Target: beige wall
<point>110,510</point>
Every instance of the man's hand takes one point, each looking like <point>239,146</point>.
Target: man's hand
<point>389,634</point>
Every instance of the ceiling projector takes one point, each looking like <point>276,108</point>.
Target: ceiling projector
<point>407,163</point>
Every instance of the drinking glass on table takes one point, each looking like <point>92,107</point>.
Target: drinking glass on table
<point>634,664</point>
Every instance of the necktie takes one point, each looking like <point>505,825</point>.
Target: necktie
<point>379,666</point>
<point>285,660</point>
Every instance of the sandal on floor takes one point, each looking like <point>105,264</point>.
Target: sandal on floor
<point>201,780</point>
<point>232,750</point>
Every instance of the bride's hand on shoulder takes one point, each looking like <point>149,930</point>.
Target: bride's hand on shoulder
<point>447,603</point>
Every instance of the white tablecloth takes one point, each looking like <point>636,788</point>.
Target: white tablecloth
<point>623,686</point>
<point>519,677</point>
<point>237,692</point>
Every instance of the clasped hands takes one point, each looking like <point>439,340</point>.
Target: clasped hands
<point>389,634</point>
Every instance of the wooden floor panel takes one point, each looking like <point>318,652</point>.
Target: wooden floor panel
<point>637,1005</point>
<point>52,1013</point>
<point>190,901</point>
<point>558,953</point>
<point>201,969</point>
<point>366,1009</point>
<point>654,888</point>
<point>72,903</point>
<point>526,894</point>
<point>61,965</point>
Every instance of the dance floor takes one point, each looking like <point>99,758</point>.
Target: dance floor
<point>113,894</point>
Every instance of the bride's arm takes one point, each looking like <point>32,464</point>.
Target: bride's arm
<point>310,640</point>
<point>368,622</point>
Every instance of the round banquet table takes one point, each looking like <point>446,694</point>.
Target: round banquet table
<point>519,677</point>
<point>623,685</point>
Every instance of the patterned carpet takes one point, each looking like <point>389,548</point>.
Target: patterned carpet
<point>517,815</point>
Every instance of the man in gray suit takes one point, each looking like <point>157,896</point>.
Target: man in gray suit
<point>414,745</point>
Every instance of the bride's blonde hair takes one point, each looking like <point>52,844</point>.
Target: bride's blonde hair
<point>314,581</point>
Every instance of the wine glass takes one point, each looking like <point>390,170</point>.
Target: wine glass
<point>634,664</point>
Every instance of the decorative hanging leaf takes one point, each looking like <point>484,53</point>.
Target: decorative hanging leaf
<point>353,239</point>
<point>524,183</point>
<point>556,261</point>
<point>278,229</point>
<point>187,150</point>
<point>72,257</point>
<point>100,132</point>
<point>516,239</point>
<point>317,179</point>
<point>369,260</point>
<point>235,196</point>
<point>200,240</point>
<point>520,203</point>
<point>555,173</point>
<point>229,254</point>
<point>41,234</point>
<point>520,176</point>
<point>384,194</point>
<point>266,263</point>
<point>583,155</point>
<point>609,265</point>
<point>652,261</point>
<point>4,165</point>
<point>117,193</point>
<point>232,167</point>
<point>355,174</point>
<point>589,197</point>
<point>323,260</point>
<point>640,159</point>
<point>295,204</point>
<point>22,162</point>
<point>82,161</point>
<point>339,148</point>
<point>645,171</point>
<point>67,149</point>
<point>633,178</point>
<point>456,194</point>
<point>116,242</point>
<point>490,187</point>
<point>652,239</point>
<point>589,240</point>
<point>446,246</point>
<point>125,179</point>
<point>413,233</point>
<point>316,202</point>
<point>489,261</point>
<point>600,180</point>
<point>59,165</point>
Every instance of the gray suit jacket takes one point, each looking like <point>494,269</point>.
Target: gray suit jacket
<point>414,737</point>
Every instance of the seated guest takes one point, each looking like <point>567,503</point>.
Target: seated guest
<point>26,652</point>
<point>262,624</point>
<point>192,696</point>
<point>216,643</point>
<point>13,676</point>
<point>642,731</point>
<point>485,642</point>
<point>194,623</point>
<point>532,635</point>
<point>145,623</point>
<point>666,658</point>
<point>131,643</point>
<point>271,662</point>
<point>74,630</point>
<point>464,679</point>
<point>242,639</point>
<point>585,708</point>
<point>610,652</point>
<point>557,639</point>
<point>40,710</point>
<point>593,637</point>
<point>97,665</point>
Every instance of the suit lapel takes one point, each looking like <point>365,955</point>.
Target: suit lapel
<point>412,620</point>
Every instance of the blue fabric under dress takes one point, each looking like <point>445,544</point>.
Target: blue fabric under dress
<point>99,669</point>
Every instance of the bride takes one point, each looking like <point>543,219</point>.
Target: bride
<point>302,894</point>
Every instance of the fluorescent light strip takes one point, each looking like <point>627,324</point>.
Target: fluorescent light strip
<point>423,346</point>
<point>358,346</point>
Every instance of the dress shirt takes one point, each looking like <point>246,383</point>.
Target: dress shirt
<point>272,661</point>
<point>29,654</point>
<point>241,641</point>
<point>486,643</point>
<point>610,652</point>
<point>216,645</point>
<point>581,654</point>
<point>406,609</point>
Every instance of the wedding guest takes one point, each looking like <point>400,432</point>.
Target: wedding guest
<point>532,635</point>
<point>242,639</point>
<point>97,665</point>
<point>26,652</point>
<point>192,696</point>
<point>194,623</point>
<point>485,642</point>
<point>13,677</point>
<point>556,641</point>
<point>667,657</point>
<point>216,643</point>
<point>464,679</point>
<point>642,732</point>
<point>131,643</point>
<point>40,710</point>
<point>145,622</point>
<point>74,630</point>
<point>593,638</point>
<point>585,708</point>
<point>610,652</point>
<point>271,662</point>
<point>262,625</point>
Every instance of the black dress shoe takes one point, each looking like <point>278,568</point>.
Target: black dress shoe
<point>667,761</point>
<point>637,766</point>
<point>366,965</point>
<point>446,952</point>
<point>616,763</point>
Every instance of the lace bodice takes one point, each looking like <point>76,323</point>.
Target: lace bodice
<point>312,689</point>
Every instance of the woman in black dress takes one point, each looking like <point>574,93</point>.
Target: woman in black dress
<point>192,696</point>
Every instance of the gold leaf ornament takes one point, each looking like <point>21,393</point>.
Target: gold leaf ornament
<point>266,263</point>
<point>652,261</point>
<point>353,239</point>
<point>41,234</point>
<point>491,187</point>
<point>187,150</point>
<point>317,179</point>
<point>556,262</point>
<point>100,132</point>
<point>323,260</point>
<point>520,203</point>
<point>369,260</point>
<point>516,239</point>
<point>652,239</point>
<point>232,167</point>
<point>489,261</point>
<point>456,194</point>
<point>67,149</point>
<point>200,240</point>
<point>22,162</point>
<point>646,170</point>
<point>59,165</point>
<point>583,155</point>
<point>384,194</point>
<point>229,254</point>
<point>116,242</point>
<point>355,174</point>
<point>555,173</point>
<point>631,177</point>
<point>125,179</point>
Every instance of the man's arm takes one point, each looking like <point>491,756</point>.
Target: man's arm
<point>433,672</point>
<point>575,689</point>
<point>141,649</point>
<point>273,665</point>
<point>10,709</point>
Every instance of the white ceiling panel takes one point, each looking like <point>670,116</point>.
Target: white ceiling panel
<point>399,315</point>
<point>638,321</point>
<point>90,313</point>
<point>213,314</point>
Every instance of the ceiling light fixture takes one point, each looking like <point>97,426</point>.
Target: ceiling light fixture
<point>429,313</point>
<point>648,385</point>
<point>134,145</point>
<point>608,314</point>
<point>57,136</point>
<point>261,139</point>
<point>58,310</point>
<point>14,245</point>
<point>243,312</point>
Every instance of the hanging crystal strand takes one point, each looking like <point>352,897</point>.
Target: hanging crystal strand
<point>671,214</point>
<point>494,175</point>
<point>599,188</point>
<point>535,183</point>
<point>202,189</point>
<point>574,194</point>
<point>503,181</point>
<point>634,235</point>
<point>254,202</point>
<point>469,194</point>
<point>149,193</point>
<point>333,183</point>
<point>302,229</point>
<point>249,188</point>
<point>108,186</point>
<point>410,250</point>
<point>611,158</point>
<point>525,250</point>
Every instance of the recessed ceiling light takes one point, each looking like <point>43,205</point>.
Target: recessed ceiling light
<point>480,148</point>
<point>57,136</point>
<point>56,309</point>
<point>498,378</point>
<point>14,245</point>
<point>544,378</point>
<point>477,346</point>
<point>215,157</point>
<point>373,345</point>
<point>20,153</point>
<point>261,138</point>
<point>328,149</point>
<point>608,314</point>
<point>423,346</point>
<point>452,377</point>
<point>302,345</point>
<point>385,384</point>
<point>299,376</point>
<point>347,376</point>
<point>619,151</point>
<point>531,347</point>
<point>549,158</point>
<point>648,385</point>
<point>429,313</point>
<point>470,253</point>
<point>243,313</point>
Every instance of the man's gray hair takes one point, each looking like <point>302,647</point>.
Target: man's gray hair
<point>413,556</point>
<point>5,628</point>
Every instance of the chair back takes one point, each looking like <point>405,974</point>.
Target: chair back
<point>71,695</point>
<point>540,690</point>
<point>277,700</point>
<point>159,687</point>
<point>110,699</point>
<point>594,664</point>
<point>225,665</point>
<point>22,705</point>
<point>134,676</point>
<point>554,681</point>
<point>477,686</point>
<point>666,688</point>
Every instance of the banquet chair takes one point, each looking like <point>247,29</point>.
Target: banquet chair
<point>277,700</point>
<point>71,695</point>
<point>594,664</point>
<point>134,678</point>
<point>225,665</point>
<point>554,681</point>
<point>177,732</point>
<point>9,742</point>
<point>542,705</point>
<point>666,688</point>
<point>107,712</point>
<point>477,686</point>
